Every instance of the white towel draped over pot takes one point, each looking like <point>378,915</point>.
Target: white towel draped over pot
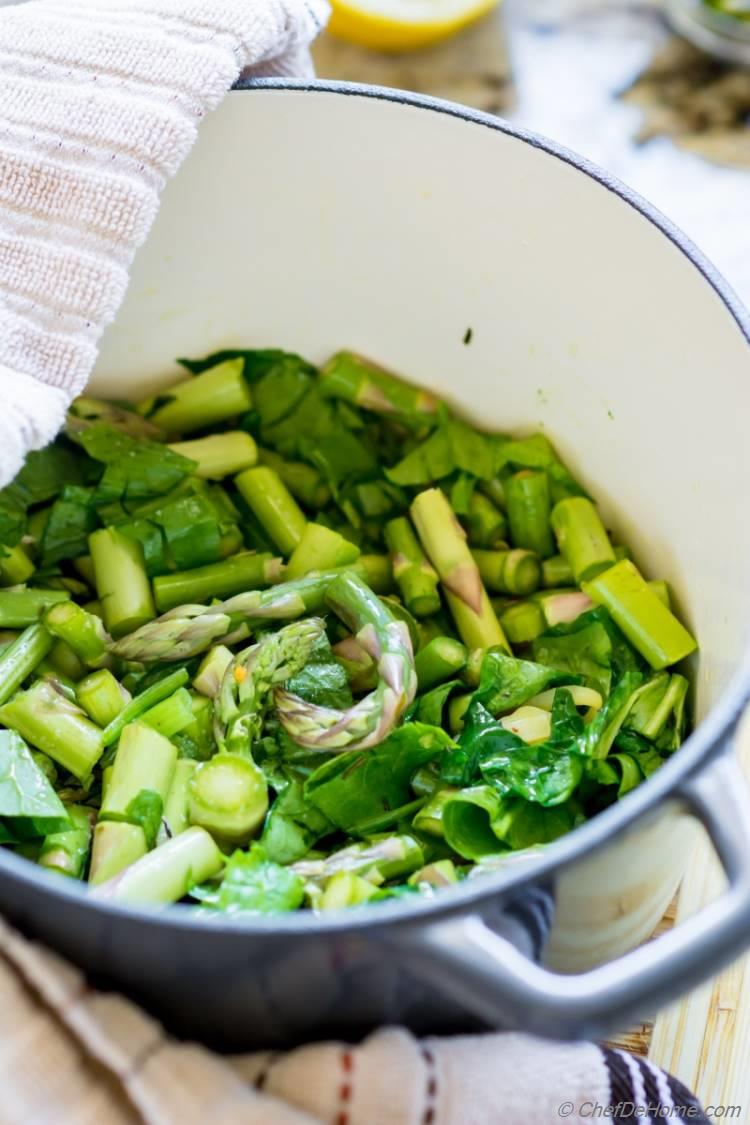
<point>100,101</point>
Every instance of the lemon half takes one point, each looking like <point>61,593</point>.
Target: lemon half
<point>403,25</point>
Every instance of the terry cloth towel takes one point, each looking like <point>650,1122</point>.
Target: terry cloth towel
<point>99,103</point>
<point>71,1055</point>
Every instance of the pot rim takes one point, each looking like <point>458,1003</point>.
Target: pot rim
<point>700,747</point>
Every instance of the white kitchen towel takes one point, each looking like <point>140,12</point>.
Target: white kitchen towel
<point>100,101</point>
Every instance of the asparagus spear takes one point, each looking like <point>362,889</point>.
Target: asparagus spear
<point>177,804</point>
<point>166,874</point>
<point>416,577</point>
<point>244,571</point>
<point>509,572</point>
<point>102,696</point>
<point>142,703</point>
<point>439,660</point>
<point>21,658</point>
<point>171,715</point>
<point>528,499</point>
<point>581,537</point>
<point>355,379</point>
<point>141,777</point>
<point>361,670</point>
<point>249,679</point>
<point>369,720</point>
<point>228,796</point>
<point>647,623</point>
<point>65,662</point>
<point>523,622</point>
<point>320,548</point>
<point>83,631</point>
<point>486,525</point>
<point>188,630</point>
<point>376,571</point>
<point>117,844</point>
<point>345,889</point>
<point>303,481</point>
<point>22,607</point>
<point>445,543</point>
<point>557,571</point>
<point>200,402</point>
<point>15,566</point>
<point>219,455</point>
<point>49,721</point>
<point>122,585</point>
<point>68,851</point>
<point>211,671</point>
<point>273,504</point>
<point>389,857</point>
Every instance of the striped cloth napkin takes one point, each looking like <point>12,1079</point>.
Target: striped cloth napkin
<point>100,101</point>
<point>72,1055</point>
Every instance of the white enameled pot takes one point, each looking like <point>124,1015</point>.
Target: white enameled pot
<point>315,218</point>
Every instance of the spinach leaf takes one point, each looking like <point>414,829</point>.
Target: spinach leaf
<point>505,682</point>
<point>252,884</point>
<point>582,648</point>
<point>482,736</point>
<point>323,680</point>
<point>12,518</point>
<point>71,520</point>
<point>452,446</point>
<point>541,774</point>
<point>537,452</point>
<point>134,469</point>
<point>480,821</point>
<point>362,784</point>
<point>428,708</point>
<point>25,792</point>
<point>45,472</point>
<point>598,737</point>
<point>293,824</point>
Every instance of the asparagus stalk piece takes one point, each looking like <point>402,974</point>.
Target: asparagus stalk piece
<point>273,504</point>
<point>457,708</point>
<point>523,622</point>
<point>142,774</point>
<point>21,658</point>
<point>15,566</point>
<point>369,720</point>
<point>355,379</point>
<point>509,572</point>
<point>439,660</point>
<point>245,571</point>
<point>203,400</point>
<point>68,851</point>
<point>187,630</point>
<point>445,543</point>
<point>381,859</point>
<point>528,499</point>
<point>228,796</point>
<point>248,681</point>
<point>177,804</point>
<point>376,571</point>
<point>304,482</point>
<point>142,703</point>
<point>345,889</point>
<point>647,623</point>
<point>495,489</point>
<point>440,874</point>
<point>320,548</point>
<point>166,874</point>
<point>102,697</point>
<point>429,819</point>
<point>171,715</point>
<point>65,662</point>
<point>581,537</point>
<point>122,585</point>
<point>19,608</point>
<point>361,670</point>
<point>661,589</point>
<point>117,844</point>
<point>416,578</point>
<point>557,571</point>
<point>486,525</point>
<point>219,455</point>
<point>49,721</point>
<point>210,674</point>
<point>83,631</point>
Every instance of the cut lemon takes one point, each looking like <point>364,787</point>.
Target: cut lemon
<point>403,25</point>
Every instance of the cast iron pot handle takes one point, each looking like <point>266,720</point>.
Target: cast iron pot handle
<point>493,979</point>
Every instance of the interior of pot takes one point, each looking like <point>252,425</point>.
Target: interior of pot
<point>498,273</point>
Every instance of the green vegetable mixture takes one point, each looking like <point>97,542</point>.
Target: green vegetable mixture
<point>286,637</point>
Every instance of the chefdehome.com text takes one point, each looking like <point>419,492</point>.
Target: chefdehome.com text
<point>627,1111</point>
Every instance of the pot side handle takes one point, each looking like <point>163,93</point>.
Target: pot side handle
<point>488,975</point>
